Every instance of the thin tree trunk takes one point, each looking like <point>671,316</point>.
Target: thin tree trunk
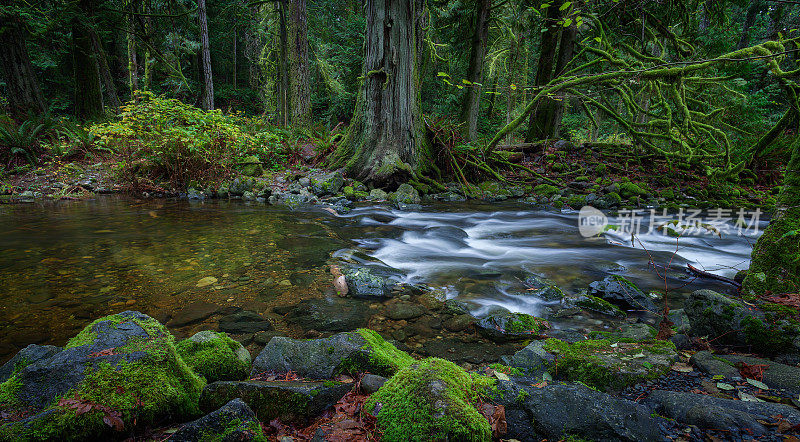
<point>283,67</point>
<point>298,64</point>
<point>566,50</point>
<point>386,143</point>
<point>749,19</point>
<point>24,95</point>
<point>471,105</point>
<point>88,91</point>
<point>538,126</point>
<point>234,58</point>
<point>106,78</point>
<point>133,66</point>
<point>207,101</point>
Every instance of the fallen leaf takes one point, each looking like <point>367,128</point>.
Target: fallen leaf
<point>724,386</point>
<point>680,367</point>
<point>757,384</point>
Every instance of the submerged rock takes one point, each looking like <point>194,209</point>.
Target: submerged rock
<point>126,362</point>
<point>215,356</point>
<point>357,351</point>
<point>289,401</point>
<point>558,411</point>
<point>543,288</point>
<point>618,290</point>
<point>506,326</point>
<point>233,422</point>
<point>244,322</point>
<point>330,315</point>
<point>732,416</point>
<point>432,399</point>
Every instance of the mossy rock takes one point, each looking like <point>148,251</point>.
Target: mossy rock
<point>775,266</point>
<point>545,190</point>
<point>630,190</point>
<point>215,356</point>
<point>125,363</point>
<point>543,288</point>
<point>352,352</point>
<point>250,165</point>
<point>607,364</point>
<point>432,399</point>
<point>599,305</point>
<point>233,422</point>
<point>507,326</point>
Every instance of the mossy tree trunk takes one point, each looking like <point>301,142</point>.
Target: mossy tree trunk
<point>385,143</point>
<point>88,92</point>
<point>471,105</point>
<point>207,101</point>
<point>24,95</point>
<point>538,128</point>
<point>775,266</point>
<point>298,63</point>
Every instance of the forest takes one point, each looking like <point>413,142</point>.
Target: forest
<point>390,220</point>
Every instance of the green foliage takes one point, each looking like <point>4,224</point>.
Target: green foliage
<point>24,141</point>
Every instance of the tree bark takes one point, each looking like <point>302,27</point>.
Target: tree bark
<point>566,50</point>
<point>207,101</point>
<point>24,95</point>
<point>298,64</point>
<point>538,126</point>
<point>106,78</point>
<point>133,65</point>
<point>283,66</point>
<point>471,105</point>
<point>385,143</point>
<point>749,19</point>
<point>88,91</point>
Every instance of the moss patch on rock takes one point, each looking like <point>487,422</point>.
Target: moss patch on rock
<point>215,356</point>
<point>432,399</point>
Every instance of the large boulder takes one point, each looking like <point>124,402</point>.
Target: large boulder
<point>507,326</point>
<point>620,291</point>
<point>215,356</point>
<point>368,282</point>
<point>357,351</point>
<point>729,321</point>
<point>775,375</point>
<point>27,356</point>
<point>607,364</point>
<point>289,401</point>
<point>233,422</point>
<point>122,367</point>
<point>432,399</point>
<point>558,411</point>
<point>737,418</point>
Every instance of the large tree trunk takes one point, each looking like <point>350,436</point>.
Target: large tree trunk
<point>207,101</point>
<point>775,266</point>
<point>24,95</point>
<point>385,143</point>
<point>538,126</point>
<point>107,79</point>
<point>298,64</point>
<point>471,105</point>
<point>88,92</point>
<point>283,66</point>
<point>566,50</point>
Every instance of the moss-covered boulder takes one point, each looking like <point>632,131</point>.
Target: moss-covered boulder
<point>622,292</point>
<point>507,326</point>
<point>432,399</point>
<point>215,356</point>
<point>595,304</point>
<point>289,401</point>
<point>233,422</point>
<point>326,183</point>
<point>607,364</point>
<point>405,194</point>
<point>121,366</point>
<point>351,352</point>
<point>545,190</point>
<point>732,322</point>
<point>250,165</point>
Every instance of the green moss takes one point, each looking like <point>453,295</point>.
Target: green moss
<point>545,190</point>
<point>88,335</point>
<point>524,323</point>
<point>629,190</point>
<point>432,399</point>
<point>8,392</point>
<point>601,305</point>
<point>215,359</point>
<point>384,354</point>
<point>513,371</point>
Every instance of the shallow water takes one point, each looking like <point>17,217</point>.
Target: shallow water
<point>65,263</point>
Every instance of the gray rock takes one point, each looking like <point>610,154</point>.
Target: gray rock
<point>194,312</point>
<point>776,375</point>
<point>244,322</point>
<point>326,184</point>
<point>217,425</point>
<point>377,195</point>
<point>330,315</point>
<point>27,356</point>
<point>458,323</point>
<point>404,310</point>
<point>292,401</point>
<point>618,290</point>
<point>367,283</point>
<point>533,359</point>
<point>406,194</point>
<point>560,410</point>
<point>680,320</point>
<point>456,307</point>
<point>708,363</point>
<point>370,383</point>
<point>637,332</point>
<point>543,288</point>
<point>318,358</point>
<point>721,414</point>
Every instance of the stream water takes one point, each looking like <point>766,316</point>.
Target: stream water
<point>65,263</point>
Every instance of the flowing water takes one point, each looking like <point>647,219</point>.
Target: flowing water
<point>65,263</point>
